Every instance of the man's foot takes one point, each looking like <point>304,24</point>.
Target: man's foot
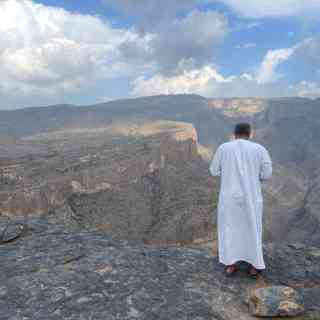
<point>230,270</point>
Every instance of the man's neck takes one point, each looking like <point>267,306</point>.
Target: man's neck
<point>242,137</point>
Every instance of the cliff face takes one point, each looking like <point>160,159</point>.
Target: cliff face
<point>138,181</point>
<point>170,204</point>
<point>305,226</point>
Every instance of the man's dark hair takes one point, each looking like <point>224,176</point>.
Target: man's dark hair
<point>243,130</point>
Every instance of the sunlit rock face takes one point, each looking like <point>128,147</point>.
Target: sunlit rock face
<point>305,226</point>
<point>238,107</point>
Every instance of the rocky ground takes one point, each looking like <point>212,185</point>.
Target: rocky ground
<point>50,273</point>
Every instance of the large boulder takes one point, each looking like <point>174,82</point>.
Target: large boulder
<point>276,301</point>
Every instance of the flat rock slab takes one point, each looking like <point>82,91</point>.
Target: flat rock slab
<point>50,273</point>
<point>9,230</point>
<point>276,301</point>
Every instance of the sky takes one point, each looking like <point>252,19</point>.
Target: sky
<point>84,52</point>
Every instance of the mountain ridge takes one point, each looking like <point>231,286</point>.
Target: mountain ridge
<point>293,98</point>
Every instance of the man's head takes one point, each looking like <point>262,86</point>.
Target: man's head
<point>242,131</point>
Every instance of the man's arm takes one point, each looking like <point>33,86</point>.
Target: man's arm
<point>265,166</point>
<point>215,166</point>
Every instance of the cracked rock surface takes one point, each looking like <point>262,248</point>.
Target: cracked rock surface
<point>50,273</point>
<point>276,301</point>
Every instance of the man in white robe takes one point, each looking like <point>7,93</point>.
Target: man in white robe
<point>242,165</point>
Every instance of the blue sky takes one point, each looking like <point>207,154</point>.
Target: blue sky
<point>83,52</point>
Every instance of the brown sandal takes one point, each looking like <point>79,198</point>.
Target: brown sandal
<point>230,270</point>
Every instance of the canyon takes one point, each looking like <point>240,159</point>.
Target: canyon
<point>147,159</point>
<point>109,212</point>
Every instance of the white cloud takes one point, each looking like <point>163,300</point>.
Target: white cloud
<point>188,81</point>
<point>150,13</point>
<point>267,70</point>
<point>46,50</point>
<point>275,8</point>
<point>54,53</point>
<point>205,81</point>
<point>253,25</point>
<point>307,89</point>
<point>246,45</point>
<point>309,50</point>
<point>193,37</point>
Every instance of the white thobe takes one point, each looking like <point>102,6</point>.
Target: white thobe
<point>242,165</point>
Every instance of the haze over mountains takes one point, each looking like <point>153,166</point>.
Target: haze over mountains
<point>66,159</point>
